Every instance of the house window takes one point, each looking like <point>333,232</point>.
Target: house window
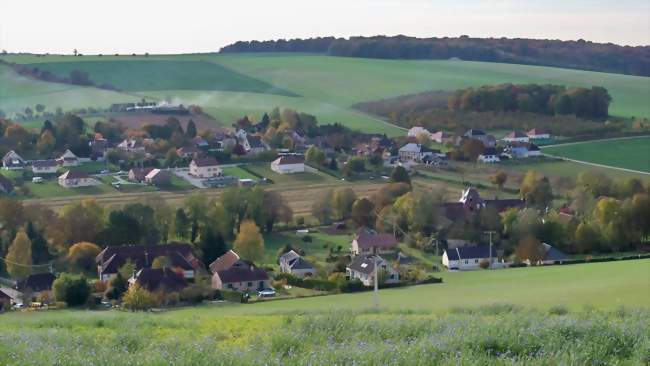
<point>475,260</point>
<point>249,284</point>
<point>466,261</point>
<point>229,286</point>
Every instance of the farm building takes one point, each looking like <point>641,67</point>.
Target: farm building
<point>13,161</point>
<point>442,137</point>
<point>158,177</point>
<point>363,269</point>
<point>45,166</point>
<point>480,135</point>
<point>112,258</point>
<point>37,285</point>
<point>413,152</point>
<point>224,262</point>
<point>367,241</point>
<point>288,164</point>
<point>468,258</point>
<point>189,152</point>
<point>205,168</point>
<point>75,178</point>
<point>241,276</point>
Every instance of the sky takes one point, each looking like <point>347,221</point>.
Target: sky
<point>164,26</point>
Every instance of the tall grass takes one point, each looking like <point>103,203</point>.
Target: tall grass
<point>501,335</point>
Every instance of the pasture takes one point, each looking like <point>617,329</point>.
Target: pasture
<point>528,316</point>
<point>322,85</point>
<point>629,153</point>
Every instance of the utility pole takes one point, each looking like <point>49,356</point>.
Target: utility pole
<point>490,233</point>
<point>376,292</point>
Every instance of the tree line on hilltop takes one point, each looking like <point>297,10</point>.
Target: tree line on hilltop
<point>580,54</point>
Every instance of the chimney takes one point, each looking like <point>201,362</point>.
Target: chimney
<point>146,259</point>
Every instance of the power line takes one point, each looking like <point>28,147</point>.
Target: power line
<point>25,265</point>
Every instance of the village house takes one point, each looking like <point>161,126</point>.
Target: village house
<point>516,136</point>
<point>137,175</point>
<point>112,258</point>
<point>537,134</point>
<point>293,263</point>
<point>475,134</point>
<point>131,146</point>
<point>471,202</point>
<point>288,164</point>
<point>468,257</point>
<point>243,276</point>
<point>363,269</point>
<point>521,150</point>
<point>551,255</point>
<point>489,155</point>
<point>158,177</point>
<point>256,145</point>
<point>76,178</point>
<point>368,241</point>
<point>98,147</point>
<point>200,142</point>
<point>206,167</point>
<point>442,137</point>
<point>68,159</point>
<point>10,296</point>
<point>13,161</point>
<point>414,153</point>
<point>6,185</point>
<point>224,262</point>
<point>189,152</point>
<point>45,166</point>
<point>417,131</point>
<point>37,286</point>
<point>159,279</point>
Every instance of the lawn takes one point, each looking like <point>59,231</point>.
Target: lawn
<point>52,189</point>
<point>318,248</point>
<point>151,75</point>
<point>264,170</point>
<point>628,153</point>
<point>238,172</point>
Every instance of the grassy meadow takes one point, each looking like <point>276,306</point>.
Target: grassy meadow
<point>625,153</point>
<point>579,314</point>
<point>323,85</point>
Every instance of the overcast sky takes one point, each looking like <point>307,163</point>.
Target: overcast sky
<point>160,26</point>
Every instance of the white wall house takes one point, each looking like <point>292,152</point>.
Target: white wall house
<point>45,166</point>
<point>13,161</point>
<point>205,168</point>
<point>516,136</point>
<point>291,262</point>
<point>369,242</point>
<point>468,258</point>
<point>417,131</point>
<point>68,159</point>
<point>489,155</point>
<point>537,134</point>
<point>363,269</point>
<point>74,178</point>
<point>288,164</point>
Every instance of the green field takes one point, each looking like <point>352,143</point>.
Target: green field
<point>264,170</point>
<point>238,172</point>
<point>327,86</point>
<point>577,314</point>
<point>153,75</point>
<point>625,153</point>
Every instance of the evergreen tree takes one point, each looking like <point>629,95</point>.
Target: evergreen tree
<point>212,245</point>
<point>190,130</point>
<point>181,224</point>
<point>40,251</point>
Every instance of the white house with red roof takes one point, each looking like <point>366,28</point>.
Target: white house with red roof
<point>516,136</point>
<point>288,164</point>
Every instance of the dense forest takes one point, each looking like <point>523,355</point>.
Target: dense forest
<point>580,54</point>
<point>532,98</point>
<point>494,107</point>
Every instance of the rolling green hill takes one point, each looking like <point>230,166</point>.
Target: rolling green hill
<point>327,86</point>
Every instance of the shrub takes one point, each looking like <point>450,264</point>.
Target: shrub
<point>558,310</point>
<point>307,239</point>
<point>118,285</point>
<point>71,289</point>
<point>138,299</point>
<point>229,295</point>
<point>196,293</point>
<point>485,264</point>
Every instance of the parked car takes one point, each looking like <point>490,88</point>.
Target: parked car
<point>37,180</point>
<point>105,171</point>
<point>269,292</point>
